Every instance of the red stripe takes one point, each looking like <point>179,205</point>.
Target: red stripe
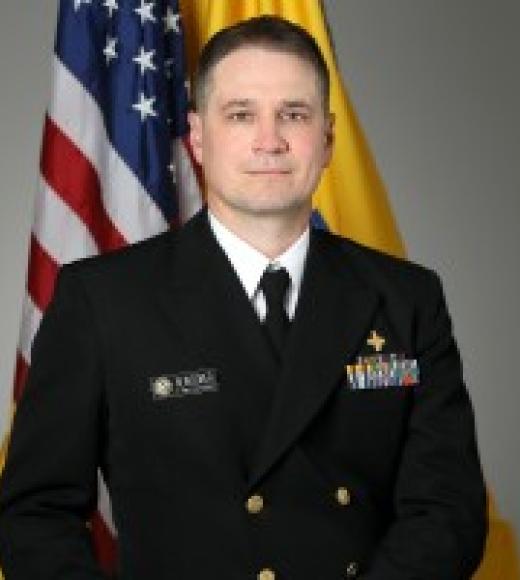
<point>20,376</point>
<point>75,180</point>
<point>105,546</point>
<point>41,277</point>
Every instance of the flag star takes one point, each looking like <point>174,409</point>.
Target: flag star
<point>78,3</point>
<point>171,20</point>
<point>111,5</point>
<point>110,49</point>
<point>145,11</point>
<point>144,60</point>
<point>145,107</point>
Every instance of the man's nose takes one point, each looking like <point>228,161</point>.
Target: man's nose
<point>268,136</point>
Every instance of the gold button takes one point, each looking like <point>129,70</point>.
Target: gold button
<point>343,496</point>
<point>266,574</point>
<point>255,504</point>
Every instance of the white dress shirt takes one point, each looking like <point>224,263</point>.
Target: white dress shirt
<point>250,264</point>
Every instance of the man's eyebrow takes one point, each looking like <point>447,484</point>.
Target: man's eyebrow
<point>236,103</point>
<point>287,103</point>
<point>297,104</point>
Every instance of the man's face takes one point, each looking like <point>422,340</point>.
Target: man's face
<point>263,137</point>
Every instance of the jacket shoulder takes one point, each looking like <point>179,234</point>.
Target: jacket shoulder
<point>389,273</point>
<point>130,263</point>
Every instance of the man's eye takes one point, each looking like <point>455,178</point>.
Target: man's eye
<point>298,116</point>
<point>240,116</point>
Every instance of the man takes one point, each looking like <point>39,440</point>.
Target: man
<point>265,400</point>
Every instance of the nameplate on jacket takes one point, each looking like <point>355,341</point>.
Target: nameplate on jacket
<point>184,383</point>
<point>381,371</point>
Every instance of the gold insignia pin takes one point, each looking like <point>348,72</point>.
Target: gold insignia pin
<point>162,387</point>
<point>376,342</point>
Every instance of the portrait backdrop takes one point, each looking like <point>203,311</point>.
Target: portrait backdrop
<point>436,89</point>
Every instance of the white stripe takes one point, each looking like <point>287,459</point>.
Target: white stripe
<point>104,505</point>
<point>76,113</point>
<point>58,229</point>
<point>31,318</point>
<point>190,197</point>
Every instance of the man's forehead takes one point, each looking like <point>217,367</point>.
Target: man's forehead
<point>258,73</point>
<point>241,59</point>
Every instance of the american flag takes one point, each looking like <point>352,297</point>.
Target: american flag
<point>115,166</point>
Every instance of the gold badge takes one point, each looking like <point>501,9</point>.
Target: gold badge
<point>376,342</point>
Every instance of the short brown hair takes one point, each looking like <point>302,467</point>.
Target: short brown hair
<point>270,32</point>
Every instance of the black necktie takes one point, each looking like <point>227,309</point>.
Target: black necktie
<point>274,284</point>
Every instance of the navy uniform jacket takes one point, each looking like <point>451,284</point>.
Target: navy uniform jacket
<point>182,464</point>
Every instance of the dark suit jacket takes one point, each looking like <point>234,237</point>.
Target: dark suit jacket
<point>180,468</point>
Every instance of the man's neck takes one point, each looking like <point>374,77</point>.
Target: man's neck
<point>270,234</point>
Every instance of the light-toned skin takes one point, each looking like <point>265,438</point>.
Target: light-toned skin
<point>263,139</point>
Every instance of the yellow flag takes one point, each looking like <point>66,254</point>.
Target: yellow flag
<point>351,197</point>
<point>500,558</point>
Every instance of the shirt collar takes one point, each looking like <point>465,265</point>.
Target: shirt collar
<point>249,263</point>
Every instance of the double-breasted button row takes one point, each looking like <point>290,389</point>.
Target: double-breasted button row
<point>255,503</point>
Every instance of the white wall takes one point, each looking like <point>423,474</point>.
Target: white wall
<point>437,89</point>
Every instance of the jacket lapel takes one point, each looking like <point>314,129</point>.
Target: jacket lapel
<point>210,313</point>
<point>204,294</point>
<point>333,315</point>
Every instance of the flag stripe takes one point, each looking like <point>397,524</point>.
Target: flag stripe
<point>20,376</point>
<point>105,545</point>
<point>41,276</point>
<point>104,506</point>
<point>31,318</point>
<point>54,222</point>
<point>78,187</point>
<point>125,200</point>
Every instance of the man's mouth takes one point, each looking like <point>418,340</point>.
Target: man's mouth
<point>268,171</point>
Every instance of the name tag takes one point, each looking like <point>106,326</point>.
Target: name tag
<point>184,383</point>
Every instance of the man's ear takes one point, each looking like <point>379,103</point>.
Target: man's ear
<point>329,136</point>
<point>195,137</point>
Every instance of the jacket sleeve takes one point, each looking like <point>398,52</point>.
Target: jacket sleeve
<point>439,498</point>
<point>49,486</point>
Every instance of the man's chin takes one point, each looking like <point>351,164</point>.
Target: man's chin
<point>270,209</point>
<point>260,204</point>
